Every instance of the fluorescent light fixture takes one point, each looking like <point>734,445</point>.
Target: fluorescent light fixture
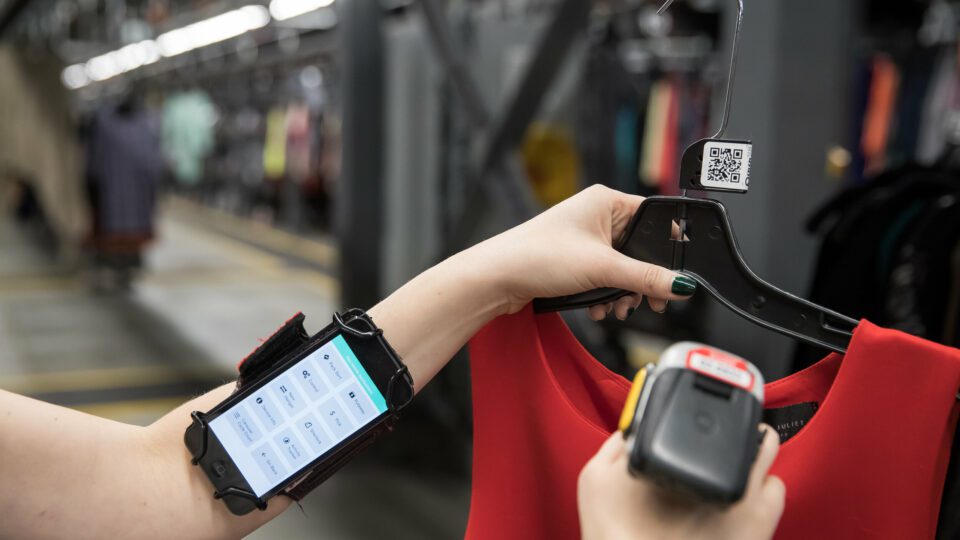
<point>193,36</point>
<point>75,76</point>
<point>213,30</point>
<point>288,9</point>
<point>137,54</point>
<point>101,68</point>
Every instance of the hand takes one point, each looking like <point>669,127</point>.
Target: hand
<point>565,250</point>
<point>568,249</point>
<point>615,505</point>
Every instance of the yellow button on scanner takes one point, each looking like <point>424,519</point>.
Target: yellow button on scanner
<point>630,407</point>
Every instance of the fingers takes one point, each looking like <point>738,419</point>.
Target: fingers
<point>773,494</point>
<point>646,279</point>
<point>623,208</point>
<point>765,457</point>
<point>613,448</point>
<point>657,304</point>
<point>624,307</point>
<point>599,311</point>
<point>765,497</point>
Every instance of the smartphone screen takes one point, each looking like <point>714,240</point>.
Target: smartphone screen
<point>295,418</point>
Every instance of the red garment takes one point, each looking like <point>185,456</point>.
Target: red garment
<point>870,464</point>
<point>670,158</point>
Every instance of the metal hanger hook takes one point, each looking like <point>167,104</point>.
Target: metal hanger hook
<point>731,72</point>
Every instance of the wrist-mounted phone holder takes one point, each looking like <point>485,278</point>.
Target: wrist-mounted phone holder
<point>292,339</point>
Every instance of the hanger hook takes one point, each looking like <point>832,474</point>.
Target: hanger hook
<point>731,72</point>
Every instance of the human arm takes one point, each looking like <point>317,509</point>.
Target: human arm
<point>565,250</point>
<point>614,505</point>
<point>70,474</point>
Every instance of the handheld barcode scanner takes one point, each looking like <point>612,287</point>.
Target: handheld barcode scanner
<point>691,420</point>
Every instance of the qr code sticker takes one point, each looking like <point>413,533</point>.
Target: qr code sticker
<point>726,165</point>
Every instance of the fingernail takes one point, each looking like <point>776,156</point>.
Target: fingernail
<point>683,286</point>
<point>630,312</point>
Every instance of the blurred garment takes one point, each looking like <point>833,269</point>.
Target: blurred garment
<point>669,170</point>
<point>124,169</point>
<point>275,145</point>
<point>881,113</point>
<point>299,142</point>
<point>188,134</point>
<point>941,97</point>
<point>655,128</point>
<point>38,139</point>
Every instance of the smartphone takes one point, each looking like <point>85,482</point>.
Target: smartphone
<point>313,404</point>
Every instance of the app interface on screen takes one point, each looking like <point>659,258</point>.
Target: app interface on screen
<point>298,416</point>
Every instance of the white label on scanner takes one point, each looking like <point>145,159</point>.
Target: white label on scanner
<point>732,371</point>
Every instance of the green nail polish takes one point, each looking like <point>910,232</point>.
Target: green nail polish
<point>683,286</point>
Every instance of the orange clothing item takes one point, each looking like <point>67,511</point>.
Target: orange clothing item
<point>879,119</point>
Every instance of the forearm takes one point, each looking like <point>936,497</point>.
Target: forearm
<point>69,474</point>
<point>432,316</point>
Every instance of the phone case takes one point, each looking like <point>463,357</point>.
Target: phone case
<point>290,339</point>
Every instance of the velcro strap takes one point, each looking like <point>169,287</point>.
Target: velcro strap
<point>286,340</point>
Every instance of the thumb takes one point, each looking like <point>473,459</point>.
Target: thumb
<point>626,273</point>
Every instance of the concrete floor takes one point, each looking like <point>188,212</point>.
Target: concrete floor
<point>202,304</point>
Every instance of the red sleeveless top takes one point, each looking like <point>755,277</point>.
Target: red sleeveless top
<point>869,464</point>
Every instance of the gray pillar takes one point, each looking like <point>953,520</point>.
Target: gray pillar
<point>790,98</point>
<point>359,205</point>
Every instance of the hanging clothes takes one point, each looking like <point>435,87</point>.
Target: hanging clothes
<point>870,245</point>
<point>189,119</point>
<point>299,142</point>
<point>941,96</point>
<point>609,124</point>
<point>275,145</point>
<point>668,175</point>
<point>654,133</point>
<point>124,170</point>
<point>914,87</point>
<point>626,144</point>
<point>869,464</point>
<point>880,114</point>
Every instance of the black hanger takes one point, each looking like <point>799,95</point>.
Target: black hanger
<point>709,254</point>
<point>693,236</point>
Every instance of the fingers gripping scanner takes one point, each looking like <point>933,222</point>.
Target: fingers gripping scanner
<point>690,422</point>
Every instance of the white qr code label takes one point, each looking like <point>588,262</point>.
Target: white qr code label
<point>726,165</point>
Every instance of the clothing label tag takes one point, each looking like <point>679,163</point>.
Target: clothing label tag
<point>717,365</point>
<point>726,165</point>
<point>788,420</point>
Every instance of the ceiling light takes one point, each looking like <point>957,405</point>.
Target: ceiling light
<point>178,41</point>
<point>101,68</point>
<point>288,9</point>
<point>75,76</point>
<point>213,30</point>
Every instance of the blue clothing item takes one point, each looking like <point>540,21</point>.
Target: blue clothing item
<point>188,134</point>
<point>125,166</point>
